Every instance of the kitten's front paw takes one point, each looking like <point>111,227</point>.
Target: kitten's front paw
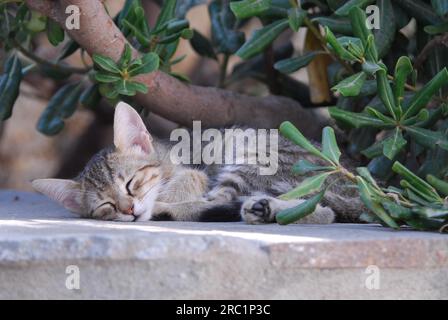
<point>257,210</point>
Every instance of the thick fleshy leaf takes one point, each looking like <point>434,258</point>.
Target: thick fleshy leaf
<point>357,120</point>
<point>329,145</point>
<point>106,78</point>
<point>338,47</point>
<point>345,9</point>
<point>166,14</point>
<point>358,20</point>
<point>106,63</point>
<point>337,24</point>
<point>295,18</point>
<point>371,67</point>
<point>202,45</point>
<point>441,7</point>
<point>299,212</point>
<point>91,96</point>
<point>417,182</point>
<point>386,94</point>
<point>420,10</point>
<point>394,144</point>
<point>289,131</point>
<point>428,138</point>
<point>249,8</point>
<point>305,166</point>
<point>437,29</point>
<point>424,95</point>
<point>55,33</point>
<point>293,64</point>
<point>137,86</point>
<point>225,37</point>
<point>61,106</point>
<point>307,186</point>
<point>403,70</point>
<point>351,86</point>
<point>440,185</point>
<point>150,63</point>
<point>373,204</point>
<point>10,85</point>
<point>262,38</point>
<point>126,56</point>
<point>385,36</point>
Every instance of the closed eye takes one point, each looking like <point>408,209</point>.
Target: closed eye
<point>128,189</point>
<point>107,204</point>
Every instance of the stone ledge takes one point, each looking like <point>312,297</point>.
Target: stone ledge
<point>38,240</point>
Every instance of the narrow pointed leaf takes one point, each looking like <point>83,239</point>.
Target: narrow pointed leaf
<point>329,145</point>
<point>293,64</point>
<point>262,38</point>
<point>394,144</point>
<point>351,87</point>
<point>301,211</point>
<point>249,8</point>
<point>307,186</point>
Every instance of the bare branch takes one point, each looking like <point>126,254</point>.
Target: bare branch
<point>170,98</point>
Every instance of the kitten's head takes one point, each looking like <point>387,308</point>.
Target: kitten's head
<point>120,183</point>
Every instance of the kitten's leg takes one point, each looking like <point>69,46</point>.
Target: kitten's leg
<point>263,209</point>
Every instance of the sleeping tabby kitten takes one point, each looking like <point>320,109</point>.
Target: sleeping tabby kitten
<point>135,181</point>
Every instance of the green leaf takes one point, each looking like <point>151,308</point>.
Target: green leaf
<point>55,33</point>
<point>166,14</point>
<point>176,25</point>
<point>437,29</point>
<point>371,67</point>
<point>370,200</point>
<point>424,95</point>
<point>358,19</point>
<point>385,36</point>
<point>427,138</point>
<point>150,63</point>
<point>417,182</point>
<point>337,24</point>
<point>397,211</point>
<point>249,8</point>
<point>380,116</point>
<point>329,145</point>
<point>304,166</point>
<point>351,86</point>
<point>440,7</point>
<point>337,46</point>
<point>289,131</point>
<point>307,186</point>
<point>440,185</point>
<point>302,210</point>
<point>262,38</point>
<point>137,86</point>
<point>293,64</point>
<point>386,94</point>
<point>106,63</point>
<point>125,57</point>
<point>202,45</point>
<point>365,173</point>
<point>357,120</point>
<point>91,96</point>
<point>10,85</point>
<point>106,78</point>
<point>61,106</point>
<point>403,70</point>
<point>421,11</point>
<point>431,213</point>
<point>345,9</point>
<point>225,37</point>
<point>394,144</point>
<point>296,17</point>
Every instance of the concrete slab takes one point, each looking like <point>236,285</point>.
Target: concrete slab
<point>42,248</point>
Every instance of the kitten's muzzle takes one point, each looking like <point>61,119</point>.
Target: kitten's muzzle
<point>129,210</point>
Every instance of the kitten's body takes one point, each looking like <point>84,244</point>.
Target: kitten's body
<point>123,183</point>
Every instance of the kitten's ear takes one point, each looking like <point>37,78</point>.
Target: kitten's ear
<point>129,129</point>
<point>66,192</point>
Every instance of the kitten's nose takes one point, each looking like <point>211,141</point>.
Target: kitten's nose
<point>129,210</point>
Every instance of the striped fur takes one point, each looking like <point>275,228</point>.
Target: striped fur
<point>136,181</point>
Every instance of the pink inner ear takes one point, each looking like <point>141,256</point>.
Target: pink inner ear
<point>143,140</point>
